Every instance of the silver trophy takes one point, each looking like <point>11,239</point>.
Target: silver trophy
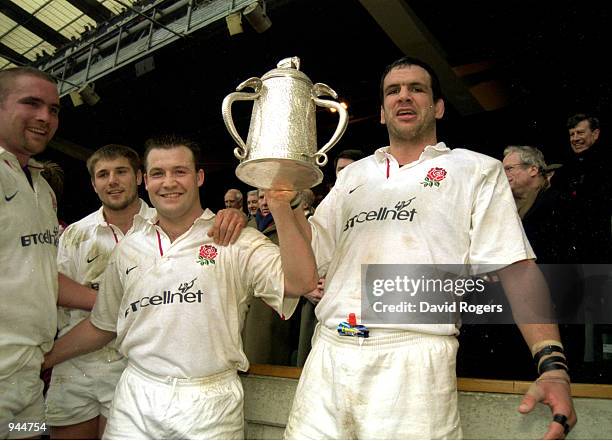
<point>281,148</point>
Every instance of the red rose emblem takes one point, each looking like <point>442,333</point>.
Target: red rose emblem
<point>207,255</point>
<point>208,252</point>
<point>436,174</point>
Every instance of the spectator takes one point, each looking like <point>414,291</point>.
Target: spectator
<point>233,199</point>
<point>586,180</point>
<point>346,157</point>
<point>252,206</point>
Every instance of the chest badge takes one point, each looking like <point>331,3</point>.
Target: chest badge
<point>207,255</point>
<point>434,176</point>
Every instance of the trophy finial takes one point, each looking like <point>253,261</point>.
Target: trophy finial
<point>289,63</point>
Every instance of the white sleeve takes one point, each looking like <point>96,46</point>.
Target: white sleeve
<point>260,262</point>
<point>67,253</point>
<point>105,312</point>
<point>497,237</point>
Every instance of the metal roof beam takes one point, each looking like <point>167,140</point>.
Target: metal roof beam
<point>32,24</point>
<point>92,9</point>
<point>12,56</point>
<point>411,36</point>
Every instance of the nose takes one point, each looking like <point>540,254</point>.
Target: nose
<point>404,94</point>
<point>113,179</point>
<point>168,180</point>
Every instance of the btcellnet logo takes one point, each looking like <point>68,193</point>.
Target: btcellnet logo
<point>183,295</point>
<point>383,213</point>
<point>46,237</point>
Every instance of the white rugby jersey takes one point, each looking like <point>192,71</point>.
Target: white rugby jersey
<point>84,250</point>
<point>29,234</point>
<point>448,207</point>
<point>178,308</point>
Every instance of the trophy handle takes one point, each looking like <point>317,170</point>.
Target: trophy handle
<point>318,90</point>
<point>242,150</point>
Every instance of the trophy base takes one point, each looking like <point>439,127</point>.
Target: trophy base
<point>279,174</point>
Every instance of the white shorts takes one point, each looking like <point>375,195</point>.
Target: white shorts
<point>147,406</point>
<point>399,385</point>
<point>21,401</point>
<point>82,389</point>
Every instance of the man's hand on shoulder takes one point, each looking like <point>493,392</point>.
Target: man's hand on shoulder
<point>229,223</point>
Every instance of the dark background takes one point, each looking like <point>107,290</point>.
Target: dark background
<point>551,57</point>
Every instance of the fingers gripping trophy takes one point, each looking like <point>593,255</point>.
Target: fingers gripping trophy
<point>280,152</point>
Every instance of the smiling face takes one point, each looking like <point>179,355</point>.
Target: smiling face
<point>116,183</point>
<point>582,137</point>
<point>252,203</point>
<point>408,109</point>
<point>172,182</point>
<point>28,116</point>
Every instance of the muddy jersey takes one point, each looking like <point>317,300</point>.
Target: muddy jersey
<point>28,248</point>
<point>448,207</point>
<point>178,308</point>
<point>84,250</point>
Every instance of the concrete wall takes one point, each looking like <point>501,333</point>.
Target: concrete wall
<point>483,415</point>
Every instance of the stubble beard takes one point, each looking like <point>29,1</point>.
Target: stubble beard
<point>119,206</point>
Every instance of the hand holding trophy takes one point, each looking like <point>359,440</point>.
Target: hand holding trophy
<point>281,148</point>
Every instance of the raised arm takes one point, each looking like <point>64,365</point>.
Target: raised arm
<point>297,257</point>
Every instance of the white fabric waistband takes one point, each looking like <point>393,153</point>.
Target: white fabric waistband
<point>384,340</point>
<point>173,381</point>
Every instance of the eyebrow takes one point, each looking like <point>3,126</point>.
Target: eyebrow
<point>39,101</point>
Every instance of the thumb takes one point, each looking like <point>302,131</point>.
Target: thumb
<point>534,395</point>
<point>528,403</point>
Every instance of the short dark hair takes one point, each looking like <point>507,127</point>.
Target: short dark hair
<point>7,76</point>
<point>168,142</point>
<point>110,152</point>
<point>577,118</point>
<point>352,154</point>
<point>412,61</point>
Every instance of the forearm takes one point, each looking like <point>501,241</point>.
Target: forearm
<point>529,298</point>
<point>81,339</point>
<point>536,334</point>
<point>297,257</point>
<point>527,293</point>
<point>74,295</point>
<point>303,224</point>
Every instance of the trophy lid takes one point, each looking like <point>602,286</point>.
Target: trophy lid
<point>287,67</point>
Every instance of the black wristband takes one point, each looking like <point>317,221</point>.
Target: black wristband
<point>551,364</point>
<point>547,350</point>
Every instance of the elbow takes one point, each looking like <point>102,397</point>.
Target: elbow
<point>299,287</point>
